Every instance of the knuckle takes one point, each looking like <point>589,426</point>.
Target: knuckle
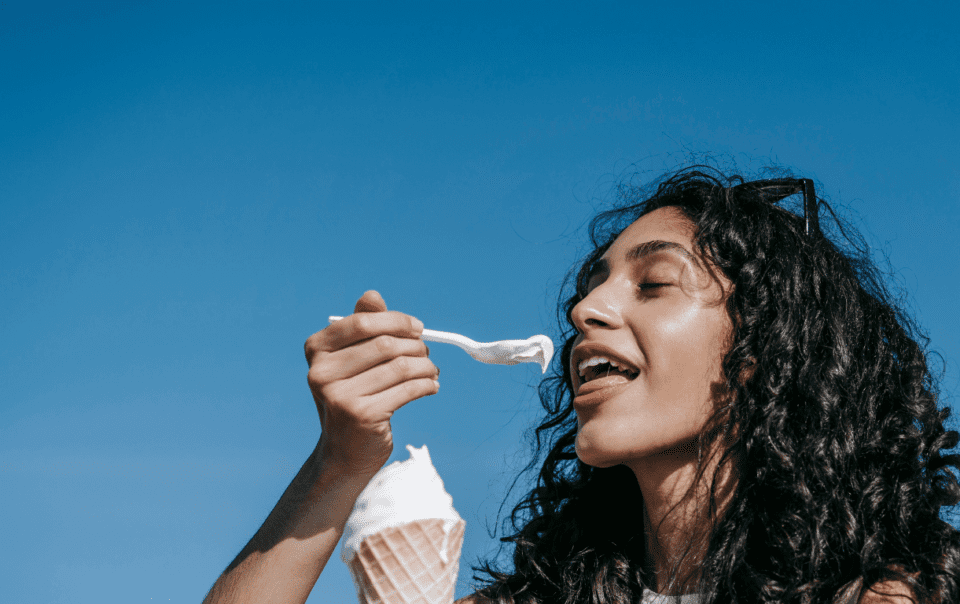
<point>319,362</point>
<point>310,346</point>
<point>316,377</point>
<point>403,366</point>
<point>317,343</point>
<point>385,345</point>
<point>364,323</point>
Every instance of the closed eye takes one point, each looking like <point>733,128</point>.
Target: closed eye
<point>651,286</point>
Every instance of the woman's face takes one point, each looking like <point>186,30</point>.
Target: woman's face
<point>653,308</point>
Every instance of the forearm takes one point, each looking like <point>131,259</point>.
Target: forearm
<point>284,559</point>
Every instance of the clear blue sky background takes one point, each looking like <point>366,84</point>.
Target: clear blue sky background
<point>188,190</point>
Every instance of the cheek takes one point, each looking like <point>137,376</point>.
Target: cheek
<point>691,350</point>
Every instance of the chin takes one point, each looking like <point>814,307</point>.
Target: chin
<point>594,457</point>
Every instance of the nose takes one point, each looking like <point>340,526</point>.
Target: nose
<point>598,309</point>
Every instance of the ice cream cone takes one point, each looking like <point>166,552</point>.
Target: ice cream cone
<point>414,563</point>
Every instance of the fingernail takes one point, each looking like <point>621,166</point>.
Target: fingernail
<point>417,325</point>
<point>437,382</point>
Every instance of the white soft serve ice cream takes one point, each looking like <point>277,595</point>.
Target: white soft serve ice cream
<point>402,492</point>
<point>537,349</point>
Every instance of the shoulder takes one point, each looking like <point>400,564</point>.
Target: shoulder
<point>888,592</point>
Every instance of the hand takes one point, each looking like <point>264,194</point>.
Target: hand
<point>362,369</point>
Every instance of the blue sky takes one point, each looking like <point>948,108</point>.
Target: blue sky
<point>188,190</point>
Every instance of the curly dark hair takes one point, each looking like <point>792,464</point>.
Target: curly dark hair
<point>832,423</point>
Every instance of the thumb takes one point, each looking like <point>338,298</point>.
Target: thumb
<point>370,301</point>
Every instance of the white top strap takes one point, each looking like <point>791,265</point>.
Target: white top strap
<point>652,597</point>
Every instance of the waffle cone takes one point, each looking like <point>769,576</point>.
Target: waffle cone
<point>402,565</point>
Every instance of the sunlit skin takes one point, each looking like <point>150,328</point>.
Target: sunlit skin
<point>662,311</point>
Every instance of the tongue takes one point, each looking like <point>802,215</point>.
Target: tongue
<point>602,382</point>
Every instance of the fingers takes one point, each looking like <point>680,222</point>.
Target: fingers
<point>362,326</point>
<point>355,359</point>
<point>406,392</point>
<point>411,374</point>
<point>371,397</point>
<point>369,352</point>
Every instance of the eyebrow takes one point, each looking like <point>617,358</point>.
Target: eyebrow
<point>640,251</point>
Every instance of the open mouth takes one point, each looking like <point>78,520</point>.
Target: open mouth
<point>607,369</point>
<point>603,372</point>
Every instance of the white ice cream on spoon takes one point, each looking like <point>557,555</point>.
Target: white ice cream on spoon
<point>537,349</point>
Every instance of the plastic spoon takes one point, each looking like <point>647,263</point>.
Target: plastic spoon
<point>538,349</point>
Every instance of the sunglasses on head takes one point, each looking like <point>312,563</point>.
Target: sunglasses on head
<point>776,189</point>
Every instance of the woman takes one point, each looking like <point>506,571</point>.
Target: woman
<point>740,414</point>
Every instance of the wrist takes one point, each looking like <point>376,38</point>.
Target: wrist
<point>334,489</point>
